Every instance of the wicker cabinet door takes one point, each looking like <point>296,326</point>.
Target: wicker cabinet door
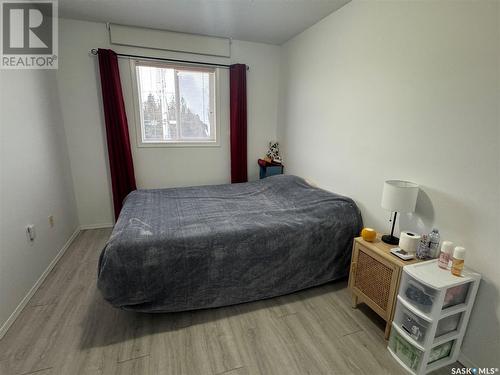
<point>375,281</point>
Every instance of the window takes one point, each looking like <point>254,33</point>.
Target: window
<point>175,104</point>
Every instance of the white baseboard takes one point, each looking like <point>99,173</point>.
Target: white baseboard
<point>464,360</point>
<point>4,328</point>
<point>97,226</point>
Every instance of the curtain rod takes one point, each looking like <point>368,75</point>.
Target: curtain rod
<point>94,51</point>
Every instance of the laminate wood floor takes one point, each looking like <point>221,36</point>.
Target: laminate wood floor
<point>67,328</point>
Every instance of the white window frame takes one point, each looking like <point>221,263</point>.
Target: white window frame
<point>137,109</point>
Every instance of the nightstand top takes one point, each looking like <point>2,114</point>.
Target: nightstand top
<point>384,250</point>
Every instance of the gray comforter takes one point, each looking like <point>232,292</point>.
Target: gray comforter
<point>207,246</point>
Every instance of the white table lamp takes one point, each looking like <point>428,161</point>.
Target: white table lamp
<point>398,196</point>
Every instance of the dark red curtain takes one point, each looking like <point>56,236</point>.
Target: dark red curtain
<point>120,155</point>
<point>238,126</point>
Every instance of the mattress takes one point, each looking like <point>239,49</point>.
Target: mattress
<point>198,247</point>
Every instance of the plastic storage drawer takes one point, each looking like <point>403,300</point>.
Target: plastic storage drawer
<point>419,295</point>
<point>417,327</point>
<point>448,324</point>
<point>413,325</point>
<point>440,351</point>
<point>456,295</point>
<point>405,351</point>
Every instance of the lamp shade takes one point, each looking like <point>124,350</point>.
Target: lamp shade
<point>399,196</point>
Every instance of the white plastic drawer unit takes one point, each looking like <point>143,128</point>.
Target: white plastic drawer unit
<point>432,311</point>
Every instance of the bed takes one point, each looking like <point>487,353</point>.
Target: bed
<point>199,247</point>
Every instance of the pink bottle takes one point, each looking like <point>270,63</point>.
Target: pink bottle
<point>445,255</point>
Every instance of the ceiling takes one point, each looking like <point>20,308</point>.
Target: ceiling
<point>265,21</point>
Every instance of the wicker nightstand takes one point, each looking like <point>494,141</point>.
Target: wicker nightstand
<point>374,277</point>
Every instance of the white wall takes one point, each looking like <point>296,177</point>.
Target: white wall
<point>154,167</point>
<point>406,90</point>
<point>35,182</point>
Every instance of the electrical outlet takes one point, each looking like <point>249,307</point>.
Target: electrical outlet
<point>30,232</point>
<point>51,221</point>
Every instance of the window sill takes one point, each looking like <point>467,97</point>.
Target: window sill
<point>178,144</point>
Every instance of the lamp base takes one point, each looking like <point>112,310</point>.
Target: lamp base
<point>391,240</point>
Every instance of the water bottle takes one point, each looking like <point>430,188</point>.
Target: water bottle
<point>434,240</point>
